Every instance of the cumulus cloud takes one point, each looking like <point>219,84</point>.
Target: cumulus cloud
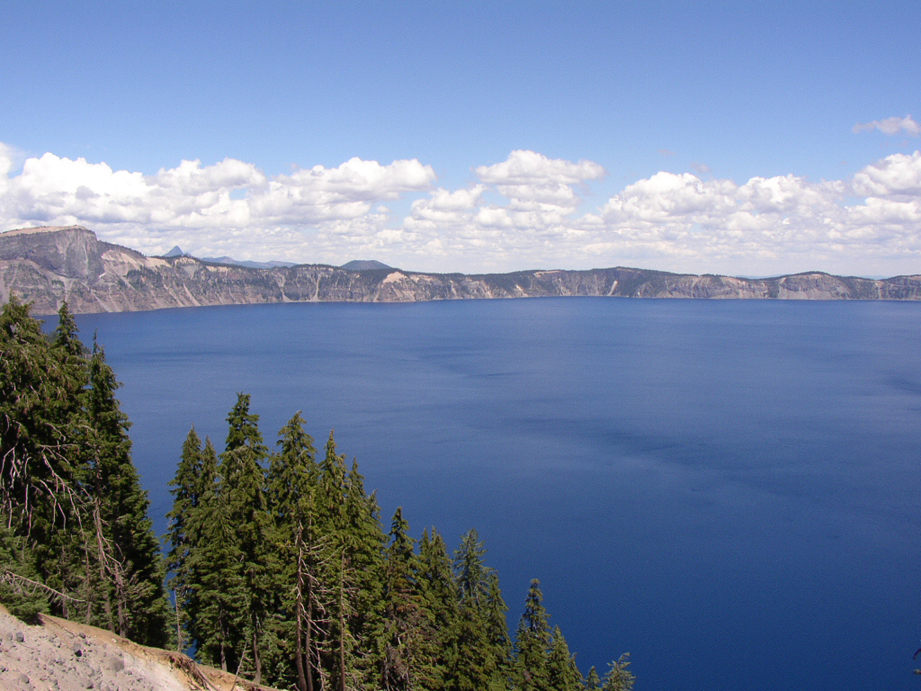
<point>899,174</point>
<point>225,207</point>
<point>525,211</point>
<point>891,126</point>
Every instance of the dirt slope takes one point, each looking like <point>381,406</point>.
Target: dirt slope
<point>60,655</point>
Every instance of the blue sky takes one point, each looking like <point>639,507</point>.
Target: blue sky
<point>474,136</point>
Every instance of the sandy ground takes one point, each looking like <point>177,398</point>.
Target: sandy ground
<point>60,655</point>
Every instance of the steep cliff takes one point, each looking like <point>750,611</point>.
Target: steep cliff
<point>47,265</point>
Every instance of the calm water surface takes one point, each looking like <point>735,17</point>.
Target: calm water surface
<point>730,491</point>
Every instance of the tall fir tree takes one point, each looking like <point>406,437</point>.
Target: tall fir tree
<point>592,680</point>
<point>410,654</point>
<point>38,486</point>
<point>186,491</point>
<point>242,493</point>
<point>532,644</point>
<point>619,677</point>
<point>350,524</point>
<point>127,549</point>
<point>481,632</point>
<point>563,673</point>
<point>67,483</point>
<point>292,482</point>
<point>198,517</point>
<point>441,600</point>
<point>218,585</point>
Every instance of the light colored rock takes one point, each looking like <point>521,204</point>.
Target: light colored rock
<point>45,266</point>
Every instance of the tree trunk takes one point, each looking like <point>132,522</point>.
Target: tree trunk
<point>302,682</point>
<point>257,660</point>
<point>341,622</point>
<point>100,547</point>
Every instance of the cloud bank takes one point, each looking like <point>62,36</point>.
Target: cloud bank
<point>524,212</point>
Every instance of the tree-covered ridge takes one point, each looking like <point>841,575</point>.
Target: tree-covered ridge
<point>278,561</point>
<point>76,539</point>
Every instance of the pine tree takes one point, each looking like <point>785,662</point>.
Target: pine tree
<point>292,481</point>
<point>202,523</point>
<point>38,488</point>
<point>532,643</point>
<point>619,676</point>
<point>349,522</point>
<point>409,660</point>
<point>67,483</point>
<point>127,554</point>
<point>441,600</point>
<point>563,673</point>
<point>218,586</point>
<point>592,680</point>
<point>181,534</point>
<point>481,633</point>
<point>242,493</point>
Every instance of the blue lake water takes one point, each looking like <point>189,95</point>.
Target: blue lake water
<point>730,491</point>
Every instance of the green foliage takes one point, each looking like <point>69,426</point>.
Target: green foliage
<point>532,643</point>
<point>131,593</point>
<point>20,591</point>
<point>592,680</point>
<point>619,676</point>
<point>68,488</point>
<point>481,632</point>
<point>563,673</point>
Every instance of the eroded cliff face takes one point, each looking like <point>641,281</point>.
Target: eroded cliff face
<point>45,266</point>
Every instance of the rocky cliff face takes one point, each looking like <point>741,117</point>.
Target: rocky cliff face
<point>48,265</point>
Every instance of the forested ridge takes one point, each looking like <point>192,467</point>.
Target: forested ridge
<point>277,565</point>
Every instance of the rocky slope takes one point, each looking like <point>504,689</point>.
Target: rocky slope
<point>65,656</point>
<point>48,265</point>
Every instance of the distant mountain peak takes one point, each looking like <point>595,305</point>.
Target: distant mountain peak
<point>230,261</point>
<point>364,265</point>
<point>175,252</point>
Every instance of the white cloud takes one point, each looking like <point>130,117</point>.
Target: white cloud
<point>529,167</point>
<point>522,212</point>
<point>899,174</point>
<point>890,126</point>
<point>6,161</point>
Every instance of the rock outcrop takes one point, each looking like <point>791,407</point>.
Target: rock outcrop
<point>45,266</point>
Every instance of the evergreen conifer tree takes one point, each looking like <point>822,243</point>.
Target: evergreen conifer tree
<point>128,551</point>
<point>592,680</point>
<point>619,677</point>
<point>410,654</point>
<point>481,633</point>
<point>68,487</point>
<point>532,644</point>
<point>563,673</point>
<point>38,488</point>
<point>181,534</point>
<point>292,481</point>
<point>441,600</point>
<point>350,524</point>
<point>242,493</point>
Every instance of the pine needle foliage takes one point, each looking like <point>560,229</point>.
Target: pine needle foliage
<point>75,516</point>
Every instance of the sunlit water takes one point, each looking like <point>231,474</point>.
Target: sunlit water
<point>730,491</point>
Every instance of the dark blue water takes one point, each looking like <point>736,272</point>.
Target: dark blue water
<point>731,491</point>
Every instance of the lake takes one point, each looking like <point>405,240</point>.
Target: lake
<point>730,491</point>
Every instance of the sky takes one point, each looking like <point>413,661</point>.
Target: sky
<point>740,138</point>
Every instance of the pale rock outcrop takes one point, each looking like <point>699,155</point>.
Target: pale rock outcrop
<point>45,266</point>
